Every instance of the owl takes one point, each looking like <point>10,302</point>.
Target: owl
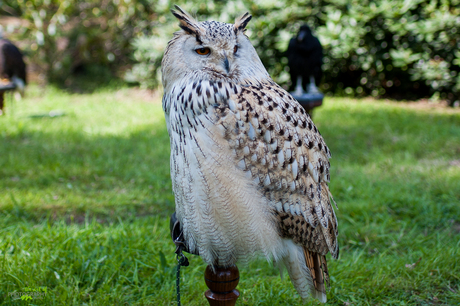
<point>249,169</point>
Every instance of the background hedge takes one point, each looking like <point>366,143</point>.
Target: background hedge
<point>400,49</point>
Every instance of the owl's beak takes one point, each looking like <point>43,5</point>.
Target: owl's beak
<point>226,64</point>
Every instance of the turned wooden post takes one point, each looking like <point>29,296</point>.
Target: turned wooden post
<point>3,89</point>
<point>2,99</point>
<point>222,284</point>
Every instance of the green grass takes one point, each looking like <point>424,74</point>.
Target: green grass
<point>85,201</point>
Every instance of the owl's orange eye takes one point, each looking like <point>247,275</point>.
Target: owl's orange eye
<point>203,51</point>
<point>235,49</point>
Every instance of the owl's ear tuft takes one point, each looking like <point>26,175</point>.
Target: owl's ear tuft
<point>242,22</point>
<point>186,22</point>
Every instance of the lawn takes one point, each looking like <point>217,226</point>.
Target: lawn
<point>85,200</point>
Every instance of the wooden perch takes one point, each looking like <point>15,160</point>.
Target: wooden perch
<point>222,284</point>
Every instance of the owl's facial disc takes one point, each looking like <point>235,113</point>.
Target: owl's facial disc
<point>225,62</point>
<point>216,55</point>
<point>206,51</point>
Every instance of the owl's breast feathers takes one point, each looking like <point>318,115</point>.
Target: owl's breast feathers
<point>257,137</point>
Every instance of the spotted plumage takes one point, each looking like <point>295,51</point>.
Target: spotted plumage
<point>249,168</point>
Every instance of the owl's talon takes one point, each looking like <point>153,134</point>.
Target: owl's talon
<point>178,237</point>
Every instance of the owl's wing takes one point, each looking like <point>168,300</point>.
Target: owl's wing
<point>276,140</point>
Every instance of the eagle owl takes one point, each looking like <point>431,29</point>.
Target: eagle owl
<point>249,169</point>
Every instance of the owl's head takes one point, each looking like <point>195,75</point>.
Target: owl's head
<point>211,50</point>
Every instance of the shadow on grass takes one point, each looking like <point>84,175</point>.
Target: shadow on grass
<point>87,79</point>
<point>391,177</point>
<point>75,175</point>
<point>363,135</point>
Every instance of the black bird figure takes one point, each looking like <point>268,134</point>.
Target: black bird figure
<point>12,68</point>
<point>305,56</point>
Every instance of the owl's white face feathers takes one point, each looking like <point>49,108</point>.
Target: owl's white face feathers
<point>249,169</point>
<point>213,49</point>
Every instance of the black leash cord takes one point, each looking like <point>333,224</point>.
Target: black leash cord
<point>179,241</point>
<point>181,261</point>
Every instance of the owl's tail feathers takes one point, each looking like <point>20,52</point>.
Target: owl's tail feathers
<point>307,271</point>
<point>317,265</point>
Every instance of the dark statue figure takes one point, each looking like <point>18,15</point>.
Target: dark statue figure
<point>12,65</point>
<point>305,56</point>
<point>12,69</point>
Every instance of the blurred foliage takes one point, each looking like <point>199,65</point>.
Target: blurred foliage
<point>65,35</point>
<point>401,49</point>
<point>394,48</point>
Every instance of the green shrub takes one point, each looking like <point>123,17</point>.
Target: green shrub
<point>401,49</point>
<point>64,35</point>
<point>389,47</point>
